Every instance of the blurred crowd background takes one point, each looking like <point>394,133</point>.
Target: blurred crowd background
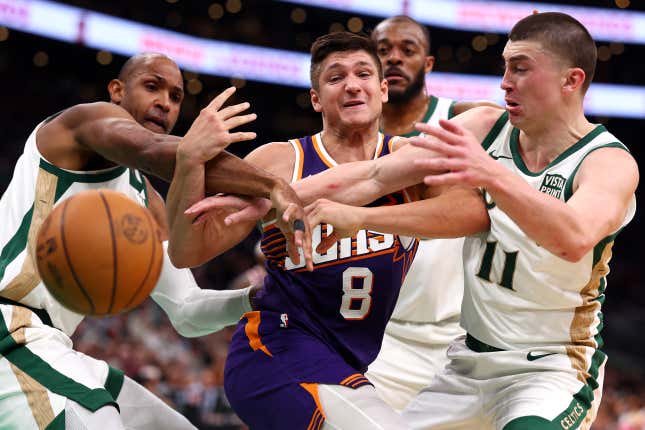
<point>42,76</point>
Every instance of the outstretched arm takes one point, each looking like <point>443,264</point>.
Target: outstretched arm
<point>97,135</point>
<point>568,229</point>
<point>457,212</point>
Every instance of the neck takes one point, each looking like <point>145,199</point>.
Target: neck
<point>542,143</point>
<point>352,144</point>
<point>399,118</point>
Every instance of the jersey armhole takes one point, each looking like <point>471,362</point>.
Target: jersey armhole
<point>497,128</point>
<point>298,161</point>
<point>568,187</point>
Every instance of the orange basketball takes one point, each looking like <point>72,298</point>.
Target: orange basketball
<point>99,253</point>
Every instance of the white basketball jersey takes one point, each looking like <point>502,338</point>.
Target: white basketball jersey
<point>519,295</point>
<point>433,289</point>
<point>35,188</point>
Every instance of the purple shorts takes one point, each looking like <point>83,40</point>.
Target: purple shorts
<point>273,370</point>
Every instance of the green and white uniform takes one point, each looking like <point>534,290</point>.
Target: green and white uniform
<point>531,358</point>
<point>36,359</point>
<point>426,316</point>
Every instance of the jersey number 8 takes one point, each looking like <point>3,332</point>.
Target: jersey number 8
<point>349,308</point>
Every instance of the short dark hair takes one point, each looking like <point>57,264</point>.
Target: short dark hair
<point>409,20</point>
<point>564,36</point>
<point>341,41</point>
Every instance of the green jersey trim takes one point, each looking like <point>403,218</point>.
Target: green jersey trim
<point>451,110</point>
<point>100,176</point>
<point>114,381</point>
<point>432,106</point>
<point>18,242</point>
<point>519,162</point>
<point>494,132</point>
<point>568,187</point>
<point>57,423</point>
<point>48,377</point>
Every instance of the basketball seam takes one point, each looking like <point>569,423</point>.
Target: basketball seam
<point>69,260</point>
<point>152,259</point>
<point>114,256</point>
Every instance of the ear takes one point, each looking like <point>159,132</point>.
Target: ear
<point>573,79</point>
<point>315,100</point>
<point>116,88</point>
<point>429,64</point>
<point>384,97</point>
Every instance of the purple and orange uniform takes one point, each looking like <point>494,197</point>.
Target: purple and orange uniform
<point>320,327</point>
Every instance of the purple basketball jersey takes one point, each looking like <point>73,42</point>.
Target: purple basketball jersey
<point>347,300</point>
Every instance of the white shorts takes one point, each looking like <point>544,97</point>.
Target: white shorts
<point>39,371</point>
<point>508,390</point>
<point>404,367</point>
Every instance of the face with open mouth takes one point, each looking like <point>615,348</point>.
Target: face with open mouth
<point>350,90</point>
<point>533,82</point>
<point>153,94</point>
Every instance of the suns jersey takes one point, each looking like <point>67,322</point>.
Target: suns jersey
<point>518,294</point>
<point>433,289</point>
<point>349,297</point>
<point>36,187</point>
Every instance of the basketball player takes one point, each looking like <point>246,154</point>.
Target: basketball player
<point>558,189</point>
<point>426,316</point>
<point>298,362</point>
<point>45,383</point>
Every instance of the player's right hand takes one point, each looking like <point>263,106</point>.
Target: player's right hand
<point>210,133</point>
<point>345,219</point>
<point>292,222</point>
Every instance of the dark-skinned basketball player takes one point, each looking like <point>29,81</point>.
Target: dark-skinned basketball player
<point>46,384</point>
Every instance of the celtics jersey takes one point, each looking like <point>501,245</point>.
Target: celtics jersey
<point>518,294</point>
<point>36,187</point>
<point>433,289</point>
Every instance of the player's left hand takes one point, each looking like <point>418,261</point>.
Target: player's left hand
<point>211,133</point>
<point>292,221</point>
<point>457,153</point>
<point>345,220</point>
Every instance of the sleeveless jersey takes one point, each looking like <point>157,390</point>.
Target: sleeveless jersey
<point>433,288</point>
<point>349,297</point>
<point>519,295</point>
<point>36,187</point>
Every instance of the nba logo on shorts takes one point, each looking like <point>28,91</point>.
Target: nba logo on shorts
<point>284,318</point>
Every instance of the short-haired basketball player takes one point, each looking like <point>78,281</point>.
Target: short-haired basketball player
<point>45,383</point>
<point>298,362</point>
<point>557,189</point>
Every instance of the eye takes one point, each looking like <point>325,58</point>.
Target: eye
<point>364,74</point>
<point>408,52</point>
<point>151,86</point>
<point>383,50</point>
<point>175,97</point>
<point>335,78</point>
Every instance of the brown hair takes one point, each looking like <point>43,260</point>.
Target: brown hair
<point>562,35</point>
<point>341,41</point>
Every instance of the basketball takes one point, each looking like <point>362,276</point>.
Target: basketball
<point>99,253</point>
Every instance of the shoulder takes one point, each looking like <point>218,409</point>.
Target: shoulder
<point>276,157</point>
<point>460,107</point>
<point>609,164</point>
<point>480,120</point>
<point>77,115</point>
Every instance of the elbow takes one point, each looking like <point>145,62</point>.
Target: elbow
<point>574,249</point>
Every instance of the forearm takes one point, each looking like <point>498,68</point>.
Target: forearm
<point>456,213</point>
<point>227,173</point>
<point>362,182</point>
<point>186,188</point>
<point>192,310</point>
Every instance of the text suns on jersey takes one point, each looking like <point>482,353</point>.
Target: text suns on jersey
<point>363,242</point>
